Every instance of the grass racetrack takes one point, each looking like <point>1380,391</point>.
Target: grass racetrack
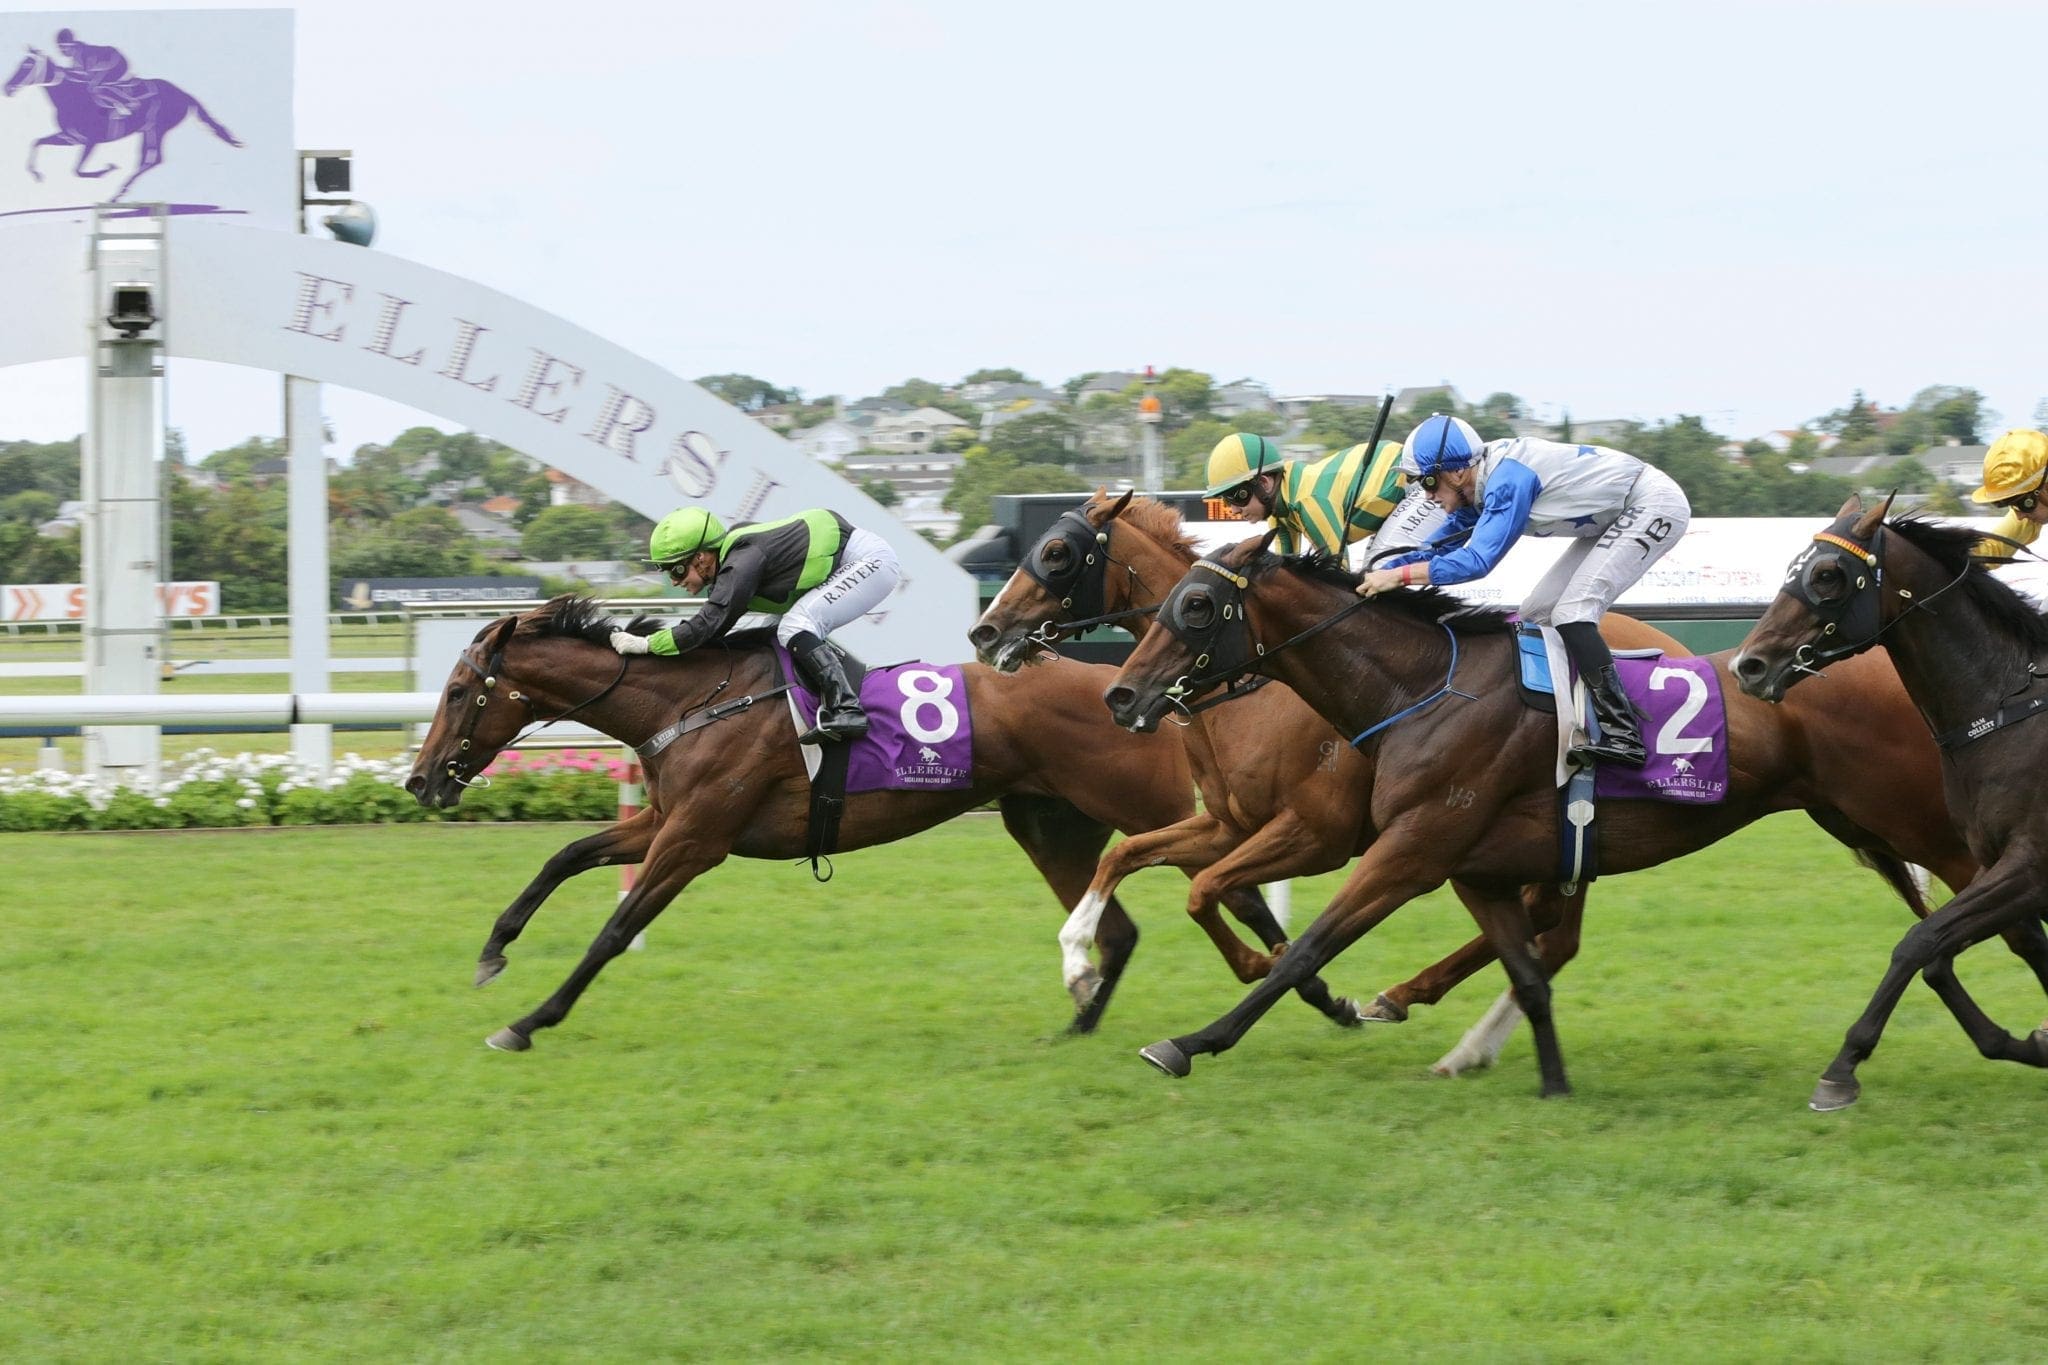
<point>249,1116</point>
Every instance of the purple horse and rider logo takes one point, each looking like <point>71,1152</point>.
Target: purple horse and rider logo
<point>97,102</point>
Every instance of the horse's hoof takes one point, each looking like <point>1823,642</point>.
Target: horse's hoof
<point>487,970</point>
<point>1383,1011</point>
<point>1829,1096</point>
<point>1168,1057</point>
<point>508,1039</point>
<point>2038,1041</point>
<point>1084,988</point>
<point>1349,1013</point>
<point>1562,1090</point>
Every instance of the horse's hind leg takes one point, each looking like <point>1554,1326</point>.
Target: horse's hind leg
<point>625,842</point>
<point>1558,919</point>
<point>1065,845</point>
<point>672,863</point>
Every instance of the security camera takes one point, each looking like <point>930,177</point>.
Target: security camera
<point>131,310</point>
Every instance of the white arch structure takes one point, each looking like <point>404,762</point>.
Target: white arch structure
<point>335,314</point>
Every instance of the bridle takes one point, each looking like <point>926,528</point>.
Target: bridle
<point>1853,622</point>
<point>1224,643</point>
<point>490,672</point>
<point>1081,585</point>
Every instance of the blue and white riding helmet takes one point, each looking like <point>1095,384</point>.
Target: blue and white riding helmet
<point>1440,443</point>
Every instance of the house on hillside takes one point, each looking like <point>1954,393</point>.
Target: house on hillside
<point>1960,465</point>
<point>992,418</point>
<point>1295,407</point>
<point>1109,382</point>
<point>1407,398</point>
<point>876,407</point>
<point>497,535</point>
<point>912,473</point>
<point>1240,396</point>
<point>564,491</point>
<point>998,395</point>
<point>913,431</point>
<point>831,441</point>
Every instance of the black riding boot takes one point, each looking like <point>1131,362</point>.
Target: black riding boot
<point>1621,725</point>
<point>839,714</point>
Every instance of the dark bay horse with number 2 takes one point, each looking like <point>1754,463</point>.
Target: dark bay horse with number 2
<point>1282,794</point>
<point>1062,774</point>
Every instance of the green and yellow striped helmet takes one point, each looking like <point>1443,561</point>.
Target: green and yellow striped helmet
<point>1238,458</point>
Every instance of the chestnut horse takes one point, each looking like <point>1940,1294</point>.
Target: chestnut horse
<point>1062,774</point>
<point>1976,665</point>
<point>1464,776</point>
<point>1283,795</point>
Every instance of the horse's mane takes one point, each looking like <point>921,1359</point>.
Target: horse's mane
<point>1950,547</point>
<point>580,618</point>
<point>1161,523</point>
<point>1431,606</point>
<point>576,617</point>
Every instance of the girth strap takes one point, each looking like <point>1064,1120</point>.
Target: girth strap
<point>710,715</point>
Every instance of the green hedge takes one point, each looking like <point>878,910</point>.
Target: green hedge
<point>274,796</point>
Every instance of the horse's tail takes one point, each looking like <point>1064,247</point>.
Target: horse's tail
<point>210,121</point>
<point>1900,876</point>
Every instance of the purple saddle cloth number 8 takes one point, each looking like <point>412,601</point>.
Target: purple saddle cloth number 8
<point>920,733</point>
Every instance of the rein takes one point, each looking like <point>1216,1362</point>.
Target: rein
<point>1253,657</point>
<point>489,674</point>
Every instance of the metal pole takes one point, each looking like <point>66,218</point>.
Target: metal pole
<point>122,542</point>
<point>306,532</point>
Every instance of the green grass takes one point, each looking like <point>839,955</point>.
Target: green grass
<point>249,1117</point>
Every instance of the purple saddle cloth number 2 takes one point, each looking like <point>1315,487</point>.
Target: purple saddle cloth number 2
<point>920,735</point>
<point>1686,733</point>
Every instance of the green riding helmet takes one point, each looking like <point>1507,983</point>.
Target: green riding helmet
<point>1239,458</point>
<point>682,534</point>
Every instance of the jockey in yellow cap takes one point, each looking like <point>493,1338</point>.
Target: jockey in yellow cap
<point>1306,501</point>
<point>2014,469</point>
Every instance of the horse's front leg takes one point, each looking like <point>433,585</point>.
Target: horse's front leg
<point>1397,868</point>
<point>1191,843</point>
<point>625,842</point>
<point>1285,846</point>
<point>676,858</point>
<point>1996,900</point>
<point>53,140</point>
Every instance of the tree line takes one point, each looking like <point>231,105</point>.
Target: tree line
<point>385,521</point>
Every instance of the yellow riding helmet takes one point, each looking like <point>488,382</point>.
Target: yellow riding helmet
<point>1239,457</point>
<point>681,534</point>
<point>2016,464</point>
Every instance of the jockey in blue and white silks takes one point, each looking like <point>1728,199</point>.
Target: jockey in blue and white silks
<point>1622,514</point>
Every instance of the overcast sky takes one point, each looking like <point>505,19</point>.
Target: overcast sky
<point>1638,209</point>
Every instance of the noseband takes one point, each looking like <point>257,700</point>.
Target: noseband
<point>489,674</point>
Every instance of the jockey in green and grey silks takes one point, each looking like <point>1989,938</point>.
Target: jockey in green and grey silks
<point>769,567</point>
